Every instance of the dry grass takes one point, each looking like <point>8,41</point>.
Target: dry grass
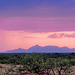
<point>13,70</point>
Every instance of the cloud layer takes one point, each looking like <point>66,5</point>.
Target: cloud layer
<point>37,8</point>
<point>33,24</point>
<point>37,15</point>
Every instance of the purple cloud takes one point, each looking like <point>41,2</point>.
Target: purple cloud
<point>62,35</point>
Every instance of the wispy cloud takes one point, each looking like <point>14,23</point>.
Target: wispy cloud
<point>29,37</point>
<point>62,35</point>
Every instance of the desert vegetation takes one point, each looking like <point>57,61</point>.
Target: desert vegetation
<point>37,64</point>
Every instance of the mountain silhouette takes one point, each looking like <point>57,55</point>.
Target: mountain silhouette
<point>45,49</point>
<point>20,50</point>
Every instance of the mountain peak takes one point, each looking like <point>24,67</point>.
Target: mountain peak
<point>34,47</point>
<point>20,48</point>
<point>37,45</point>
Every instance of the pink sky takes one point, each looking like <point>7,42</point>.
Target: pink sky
<point>25,23</point>
<point>21,39</point>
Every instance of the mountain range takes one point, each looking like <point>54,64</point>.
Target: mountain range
<point>45,49</point>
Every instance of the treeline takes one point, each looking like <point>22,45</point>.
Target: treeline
<point>45,63</point>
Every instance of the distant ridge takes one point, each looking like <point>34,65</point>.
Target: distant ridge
<point>45,49</point>
<point>20,50</point>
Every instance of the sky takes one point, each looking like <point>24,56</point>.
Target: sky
<point>25,23</point>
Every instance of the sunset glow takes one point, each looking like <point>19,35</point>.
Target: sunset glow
<point>25,23</point>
